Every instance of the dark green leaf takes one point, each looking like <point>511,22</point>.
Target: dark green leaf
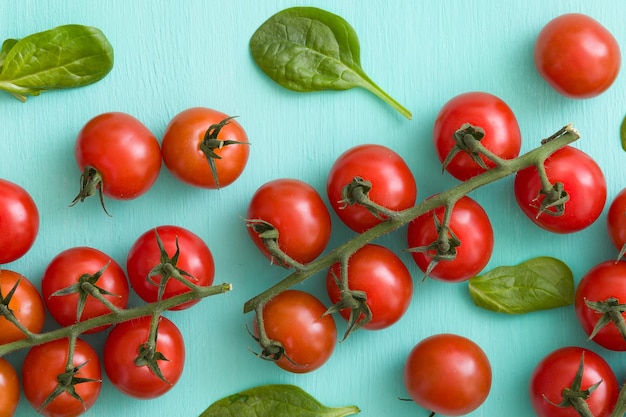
<point>274,401</point>
<point>309,49</point>
<point>64,57</point>
<point>538,284</point>
<point>622,133</point>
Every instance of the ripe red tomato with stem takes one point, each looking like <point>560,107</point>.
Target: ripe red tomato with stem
<point>378,275</point>
<point>25,303</point>
<point>9,389</point>
<point>140,367</point>
<point>64,280</point>
<point>205,148</point>
<point>487,119</point>
<point>19,221</point>
<point>448,374</point>
<point>382,175</point>
<point>291,214</point>
<point>616,222</point>
<point>296,320</point>
<point>165,260</point>
<point>579,187</point>
<point>577,56</point>
<point>119,157</point>
<point>600,304</point>
<point>457,253</point>
<point>570,374</point>
<point>49,385</point>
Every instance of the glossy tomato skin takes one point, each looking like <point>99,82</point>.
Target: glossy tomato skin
<point>9,389</point>
<point>393,184</point>
<point>299,214</point>
<point>471,225</point>
<point>480,109</point>
<point>195,258</point>
<point>616,220</point>
<point>602,282</point>
<point>557,370</point>
<point>577,56</point>
<point>187,162</point>
<point>66,270</point>
<point>26,304</point>
<point>42,365</point>
<point>120,351</point>
<point>384,278</point>
<point>123,150</point>
<point>296,319</point>
<point>582,179</point>
<point>448,374</point>
<point>19,221</point>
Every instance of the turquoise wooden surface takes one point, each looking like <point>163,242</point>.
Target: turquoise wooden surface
<point>175,55</point>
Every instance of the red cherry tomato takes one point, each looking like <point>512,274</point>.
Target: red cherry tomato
<point>448,375</point>
<point>296,320</point>
<point>42,366</point>
<point>19,221</point>
<point>121,350</point>
<point>616,221</point>
<point>557,371</point>
<point>118,156</point>
<point>502,134</point>
<point>582,180</point>
<point>383,277</point>
<point>198,137</point>
<point>470,225</point>
<point>75,267</point>
<point>297,212</point>
<point>9,389</point>
<point>26,304</point>
<point>392,184</point>
<point>577,56</point>
<point>605,283</point>
<point>195,260</point>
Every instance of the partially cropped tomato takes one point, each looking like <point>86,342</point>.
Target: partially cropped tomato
<point>556,372</point>
<point>390,184</point>
<point>382,276</point>
<point>604,286</point>
<point>19,221</point>
<point>469,243</point>
<point>466,113</point>
<point>296,211</point>
<point>127,357</point>
<point>296,320</point>
<point>43,366</point>
<point>581,182</point>
<point>9,389</point>
<point>577,56</point>
<point>119,157</point>
<point>205,148</point>
<point>25,303</point>
<point>448,374</point>
<point>616,221</point>
<point>150,266</point>
<point>63,281</point>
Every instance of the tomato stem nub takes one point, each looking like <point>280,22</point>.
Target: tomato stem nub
<point>91,182</point>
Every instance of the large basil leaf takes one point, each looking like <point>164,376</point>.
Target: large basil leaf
<point>63,57</point>
<point>538,284</point>
<point>274,401</point>
<point>309,49</point>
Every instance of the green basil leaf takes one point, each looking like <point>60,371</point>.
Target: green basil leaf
<point>63,57</point>
<point>309,49</point>
<point>274,401</point>
<point>6,47</point>
<point>538,284</point>
<point>622,133</point>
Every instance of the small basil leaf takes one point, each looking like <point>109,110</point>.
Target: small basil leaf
<point>309,49</point>
<point>622,133</point>
<point>6,47</point>
<point>274,401</point>
<point>63,57</point>
<point>538,284</point>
